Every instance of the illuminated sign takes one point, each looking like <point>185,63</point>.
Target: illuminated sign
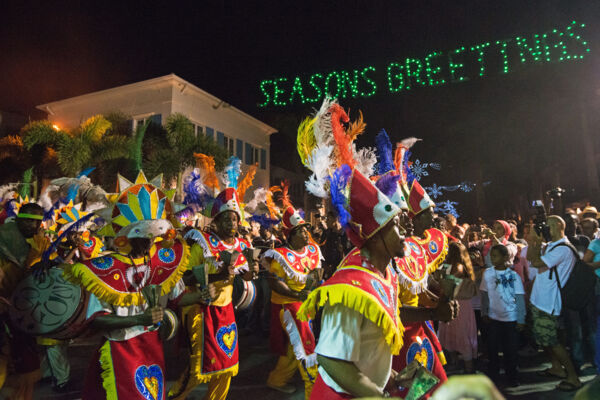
<point>434,69</point>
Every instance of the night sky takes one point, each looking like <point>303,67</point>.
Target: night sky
<point>52,52</point>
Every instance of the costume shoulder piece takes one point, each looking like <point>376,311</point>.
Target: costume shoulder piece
<point>114,279</point>
<point>357,287</point>
<point>435,244</point>
<point>412,268</point>
<point>297,265</point>
<point>212,245</point>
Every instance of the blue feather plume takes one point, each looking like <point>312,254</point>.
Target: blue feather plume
<point>195,191</point>
<point>55,243</point>
<point>388,184</point>
<point>338,184</point>
<point>410,177</point>
<point>86,172</point>
<point>11,208</point>
<point>264,220</point>
<point>385,157</point>
<point>233,171</point>
<point>49,214</point>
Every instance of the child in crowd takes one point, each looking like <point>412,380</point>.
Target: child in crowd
<point>460,335</point>
<point>478,269</point>
<point>503,305</point>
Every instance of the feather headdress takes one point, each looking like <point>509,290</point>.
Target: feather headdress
<point>284,190</point>
<point>246,182</point>
<point>385,160</point>
<point>339,187</point>
<point>401,157</point>
<point>306,138</point>
<point>197,194</point>
<point>231,173</point>
<point>207,166</point>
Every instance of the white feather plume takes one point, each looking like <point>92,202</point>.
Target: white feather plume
<point>365,160</point>
<point>7,192</point>
<point>322,127</point>
<point>259,197</point>
<point>409,142</point>
<point>321,164</point>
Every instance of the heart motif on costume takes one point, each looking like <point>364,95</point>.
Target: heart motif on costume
<point>137,276</point>
<point>149,382</point>
<point>227,339</point>
<point>422,352</point>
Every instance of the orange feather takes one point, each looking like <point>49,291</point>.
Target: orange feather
<point>207,164</point>
<point>246,182</point>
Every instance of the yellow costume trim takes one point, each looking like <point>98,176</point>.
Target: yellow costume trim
<point>79,274</point>
<point>359,301</point>
<point>108,371</point>
<point>196,335</point>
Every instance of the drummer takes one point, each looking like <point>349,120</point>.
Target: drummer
<point>294,268</point>
<point>22,243</point>
<point>131,289</point>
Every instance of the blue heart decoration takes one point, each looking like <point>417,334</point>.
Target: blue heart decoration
<point>416,349</point>
<point>226,330</point>
<point>143,372</point>
<point>380,291</point>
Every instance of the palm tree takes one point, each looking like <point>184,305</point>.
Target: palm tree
<point>172,153</point>
<point>89,145</point>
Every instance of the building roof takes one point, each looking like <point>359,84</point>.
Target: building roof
<point>173,80</point>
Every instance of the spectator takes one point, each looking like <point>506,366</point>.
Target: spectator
<point>478,270</point>
<point>581,242</point>
<point>503,307</point>
<point>460,335</point>
<point>335,245</point>
<point>589,212</point>
<point>546,303</point>
<point>498,235</point>
<point>454,228</point>
<point>592,257</point>
<point>589,228</point>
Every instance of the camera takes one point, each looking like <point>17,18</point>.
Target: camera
<point>540,220</point>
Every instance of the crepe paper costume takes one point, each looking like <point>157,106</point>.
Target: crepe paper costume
<point>211,329</point>
<point>130,362</point>
<point>421,344</point>
<point>291,338</point>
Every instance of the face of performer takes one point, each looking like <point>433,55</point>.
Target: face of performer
<point>29,227</point>
<point>140,246</point>
<point>424,220</point>
<point>392,236</point>
<point>406,223</point>
<point>227,224</point>
<point>299,237</point>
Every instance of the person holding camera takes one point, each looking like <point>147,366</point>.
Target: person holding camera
<point>551,260</point>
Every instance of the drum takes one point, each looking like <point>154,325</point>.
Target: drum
<point>169,326</point>
<point>52,307</point>
<point>244,294</point>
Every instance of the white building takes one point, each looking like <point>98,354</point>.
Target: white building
<point>246,137</point>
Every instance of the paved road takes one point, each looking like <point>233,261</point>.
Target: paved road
<point>256,362</point>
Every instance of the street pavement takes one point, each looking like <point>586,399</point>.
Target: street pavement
<point>256,362</point>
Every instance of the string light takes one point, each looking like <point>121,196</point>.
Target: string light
<point>455,66</point>
<point>436,68</point>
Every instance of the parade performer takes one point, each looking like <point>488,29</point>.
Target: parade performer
<point>211,329</point>
<point>22,243</point>
<point>292,277</point>
<point>421,257</point>
<point>361,328</point>
<point>130,290</point>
